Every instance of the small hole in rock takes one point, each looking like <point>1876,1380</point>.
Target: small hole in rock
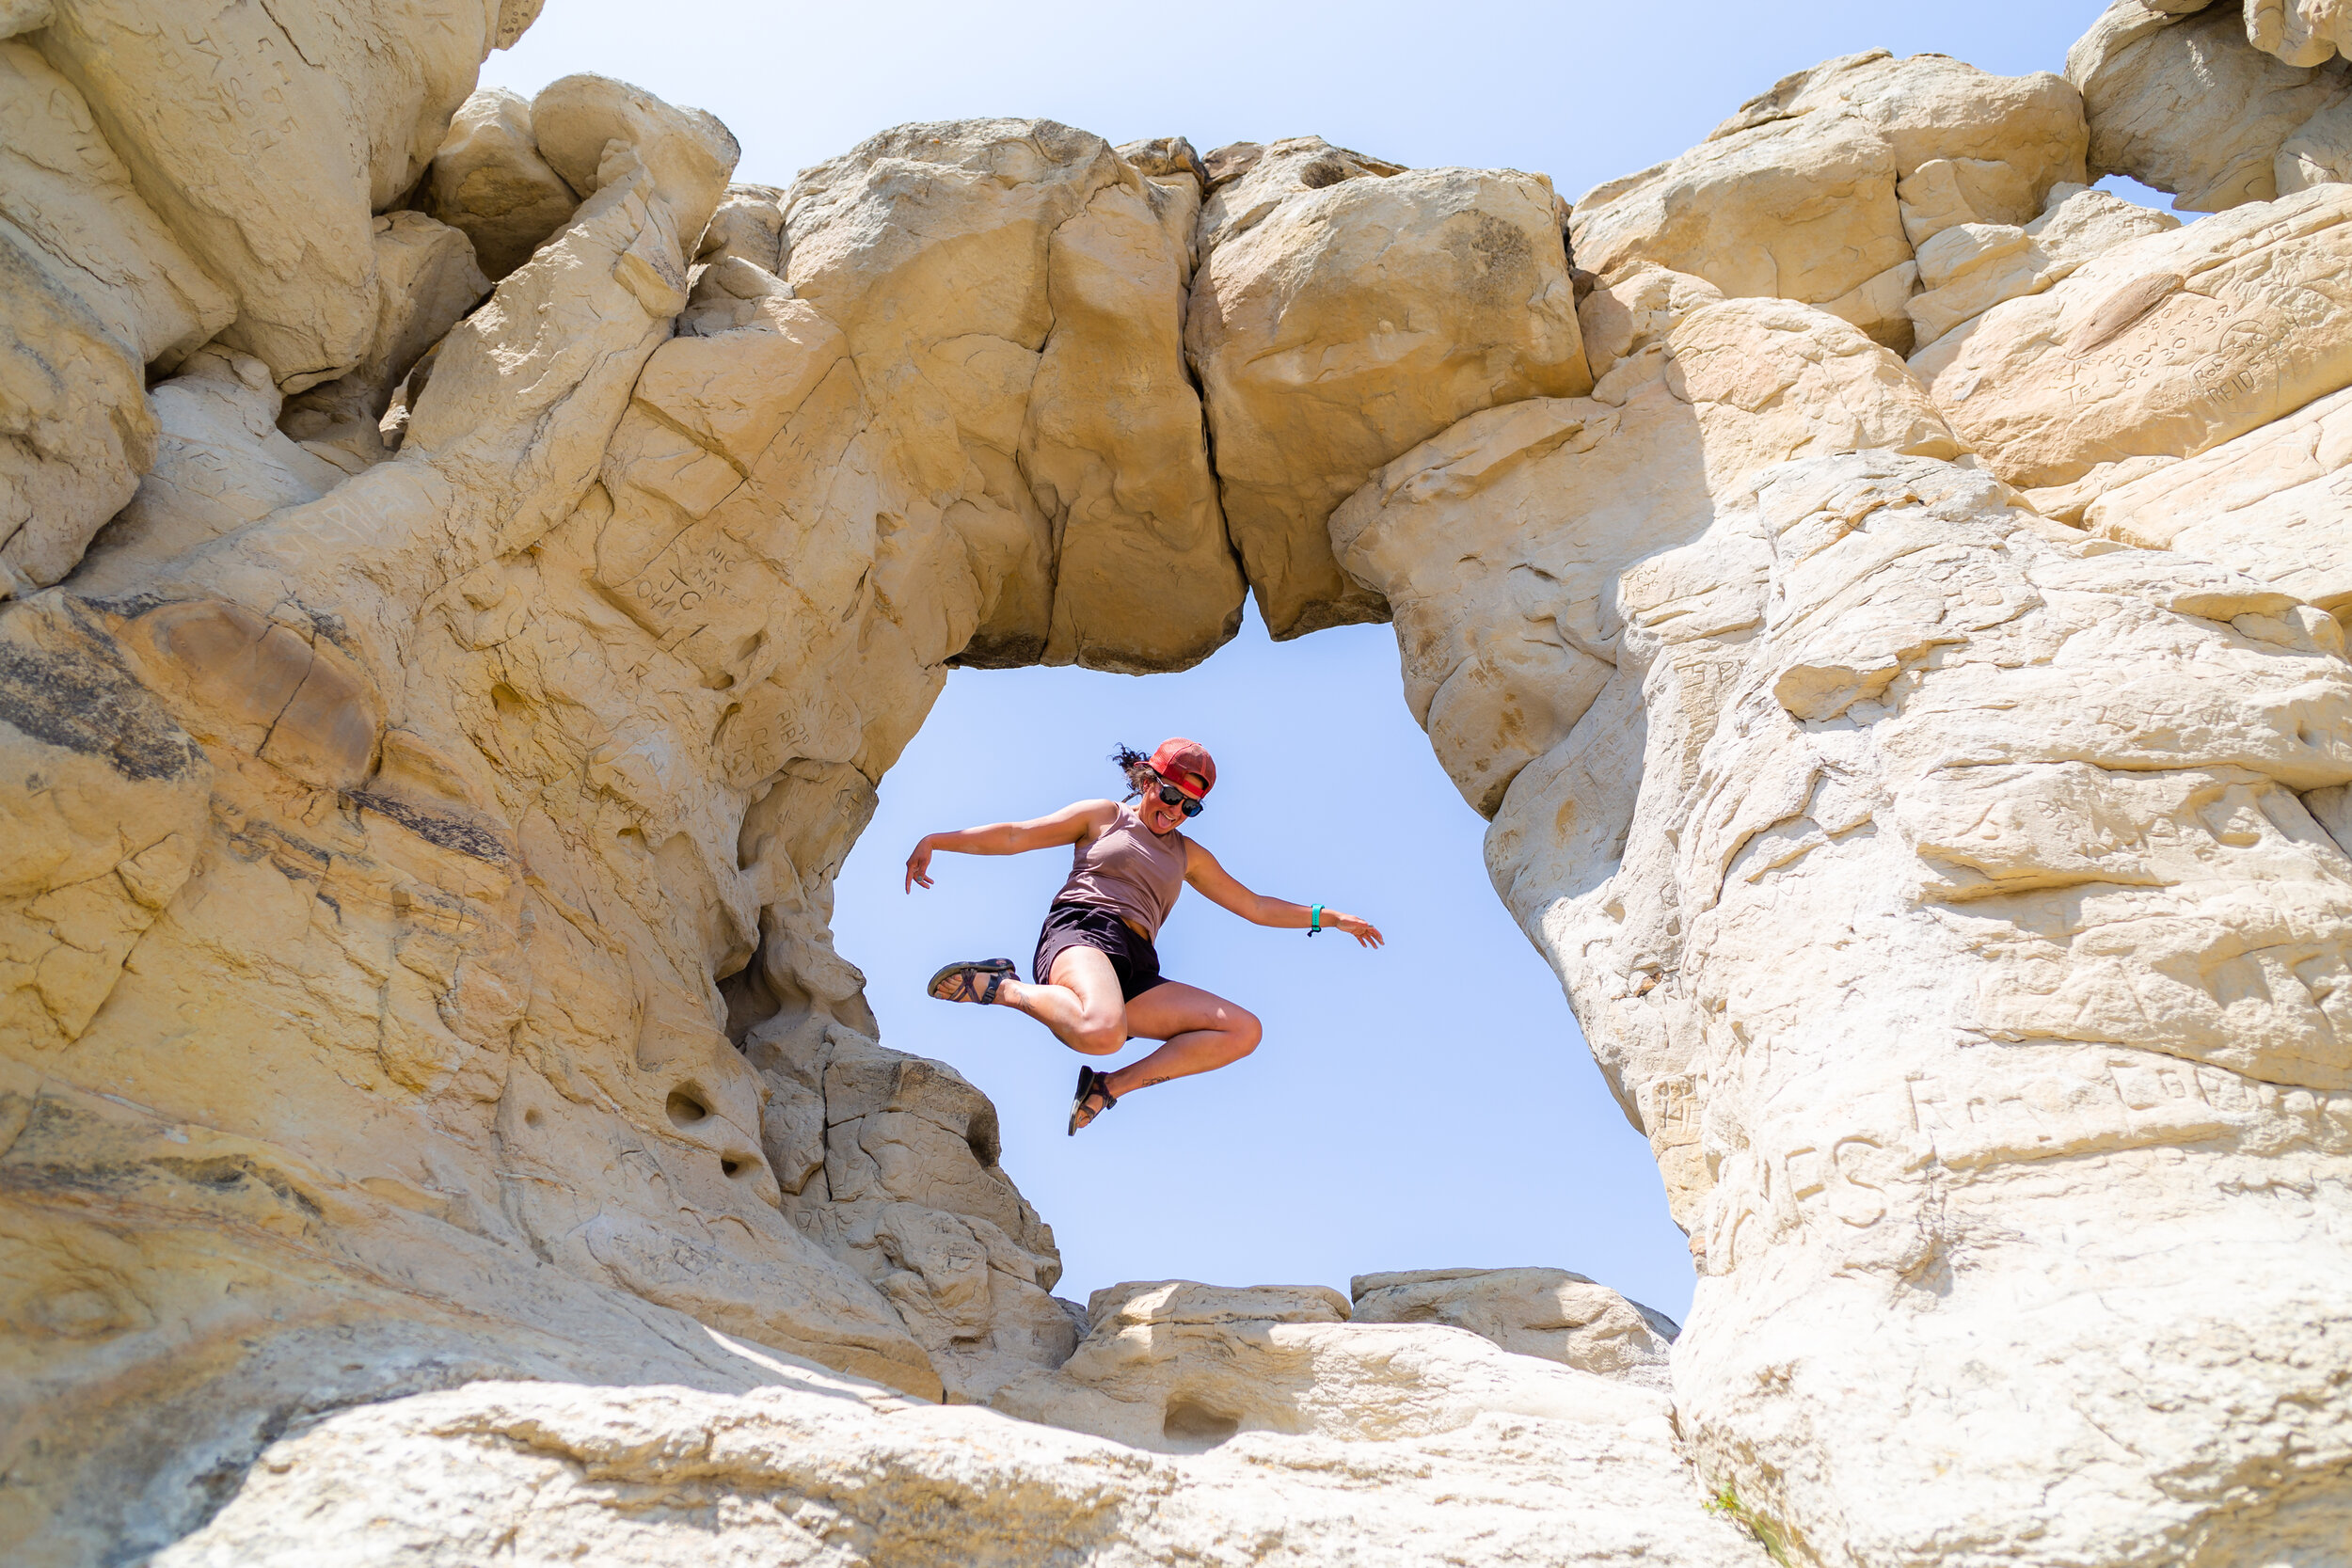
<point>684,1109</point>
<point>730,1167</point>
<point>531,1118</point>
<point>1187,1422</point>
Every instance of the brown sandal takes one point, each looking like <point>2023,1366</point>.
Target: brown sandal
<point>1090,1084</point>
<point>962,980</point>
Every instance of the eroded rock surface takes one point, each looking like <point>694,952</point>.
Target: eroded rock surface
<point>490,182</point>
<point>273,189</point>
<point>2185,103</point>
<point>1966,268</point>
<point>1989,785</point>
<point>431,725</point>
<point>1175,1367</point>
<point>797,1473</point>
<point>1340,316</point>
<point>429,282</point>
<point>2269,504</point>
<point>1819,189</point>
<point>1560,1316</point>
<point>2161,347</point>
<point>1044,412</point>
<point>1549,500</point>
<point>300,765</point>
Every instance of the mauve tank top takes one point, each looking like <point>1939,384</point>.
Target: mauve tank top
<point>1131,871</point>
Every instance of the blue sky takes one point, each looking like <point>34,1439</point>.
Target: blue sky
<point>1581,91</point>
<point>1428,1105</point>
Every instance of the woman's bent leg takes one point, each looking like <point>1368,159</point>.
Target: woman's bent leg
<point>1082,1005</point>
<point>1203,1032</point>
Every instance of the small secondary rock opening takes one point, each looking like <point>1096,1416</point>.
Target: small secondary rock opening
<point>1188,1421</point>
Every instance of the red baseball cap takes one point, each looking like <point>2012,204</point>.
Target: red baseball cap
<point>1185,764</point>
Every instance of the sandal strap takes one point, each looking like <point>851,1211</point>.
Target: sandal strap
<point>962,980</point>
<point>1091,1085</point>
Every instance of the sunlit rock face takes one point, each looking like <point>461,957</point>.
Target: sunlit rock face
<point>1968,891</point>
<point>1822,189</point>
<point>469,565</point>
<point>1342,314</point>
<point>1550,1313</point>
<point>2215,106</point>
<point>813,1469</point>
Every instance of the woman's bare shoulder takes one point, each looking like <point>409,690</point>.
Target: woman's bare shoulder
<point>1098,815</point>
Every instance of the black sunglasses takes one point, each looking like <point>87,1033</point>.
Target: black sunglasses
<point>1172,795</point>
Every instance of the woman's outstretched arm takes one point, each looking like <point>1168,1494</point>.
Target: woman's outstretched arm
<point>1066,826</point>
<point>1217,886</point>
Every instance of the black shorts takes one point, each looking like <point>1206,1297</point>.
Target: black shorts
<point>1133,959</point>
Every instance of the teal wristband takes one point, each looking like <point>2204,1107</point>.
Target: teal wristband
<point>1315,921</point>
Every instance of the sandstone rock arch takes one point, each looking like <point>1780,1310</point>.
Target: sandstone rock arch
<point>418,855</point>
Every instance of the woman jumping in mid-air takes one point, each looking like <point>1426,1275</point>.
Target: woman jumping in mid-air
<point>1098,976</point>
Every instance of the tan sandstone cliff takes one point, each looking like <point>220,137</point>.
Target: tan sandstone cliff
<point>465,567</point>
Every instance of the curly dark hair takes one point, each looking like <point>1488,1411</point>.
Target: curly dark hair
<point>1136,766</point>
